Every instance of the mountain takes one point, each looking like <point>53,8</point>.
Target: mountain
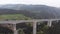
<point>33,11</point>
<point>11,6</point>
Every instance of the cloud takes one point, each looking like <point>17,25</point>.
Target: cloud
<point>55,3</point>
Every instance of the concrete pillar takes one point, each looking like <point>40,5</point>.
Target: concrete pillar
<point>34,27</point>
<point>15,31</point>
<point>49,23</point>
<point>57,21</point>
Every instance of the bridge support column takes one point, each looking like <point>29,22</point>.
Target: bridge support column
<point>49,23</point>
<point>15,31</point>
<point>57,21</point>
<point>34,27</point>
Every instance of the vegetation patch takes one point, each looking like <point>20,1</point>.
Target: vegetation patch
<point>13,17</point>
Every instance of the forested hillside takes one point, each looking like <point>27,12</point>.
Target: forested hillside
<point>25,12</point>
<point>32,14</point>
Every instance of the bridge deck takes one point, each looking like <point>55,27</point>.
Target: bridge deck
<point>20,21</point>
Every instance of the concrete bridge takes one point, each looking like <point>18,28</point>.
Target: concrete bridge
<point>11,24</point>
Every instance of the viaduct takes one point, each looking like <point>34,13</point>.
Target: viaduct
<point>11,24</point>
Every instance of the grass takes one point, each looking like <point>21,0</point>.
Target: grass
<point>13,17</point>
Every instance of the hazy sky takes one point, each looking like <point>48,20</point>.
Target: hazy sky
<point>55,3</point>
